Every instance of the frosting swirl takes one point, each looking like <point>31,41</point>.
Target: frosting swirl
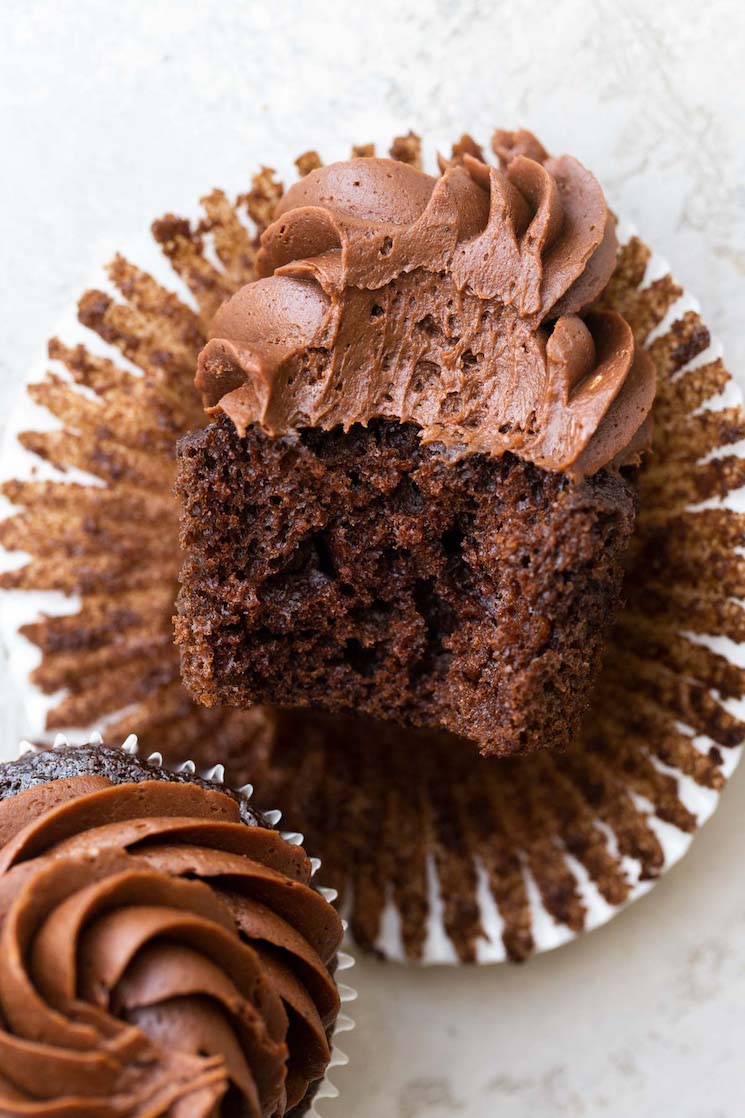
<point>158,957</point>
<point>452,302</point>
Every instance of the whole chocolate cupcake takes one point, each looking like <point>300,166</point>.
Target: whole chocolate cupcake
<point>163,950</point>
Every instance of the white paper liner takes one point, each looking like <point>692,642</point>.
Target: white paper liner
<point>21,607</point>
<point>344,1023</point>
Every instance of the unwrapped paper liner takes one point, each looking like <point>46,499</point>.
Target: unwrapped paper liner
<point>438,855</point>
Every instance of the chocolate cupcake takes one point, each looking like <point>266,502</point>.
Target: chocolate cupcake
<point>165,953</point>
<point>412,505</point>
<point>437,855</point>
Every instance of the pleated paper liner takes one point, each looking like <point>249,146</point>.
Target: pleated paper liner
<point>324,1088</point>
<point>437,854</point>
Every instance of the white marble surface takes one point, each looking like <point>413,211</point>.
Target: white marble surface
<point>114,112</point>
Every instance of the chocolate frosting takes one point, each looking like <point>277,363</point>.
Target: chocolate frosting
<point>158,957</point>
<point>457,303</point>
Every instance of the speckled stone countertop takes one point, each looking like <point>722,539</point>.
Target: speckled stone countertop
<point>114,113</point>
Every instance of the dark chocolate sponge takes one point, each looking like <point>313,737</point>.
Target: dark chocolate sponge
<point>118,766</point>
<point>366,572</point>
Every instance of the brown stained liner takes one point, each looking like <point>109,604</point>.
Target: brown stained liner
<point>374,801</point>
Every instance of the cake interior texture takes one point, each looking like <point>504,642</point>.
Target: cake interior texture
<point>366,572</point>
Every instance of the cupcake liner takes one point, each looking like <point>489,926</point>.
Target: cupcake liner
<point>325,1089</point>
<point>438,855</point>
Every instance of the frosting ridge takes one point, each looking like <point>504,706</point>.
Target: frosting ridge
<point>455,302</point>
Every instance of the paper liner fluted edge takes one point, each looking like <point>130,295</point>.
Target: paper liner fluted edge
<point>19,607</point>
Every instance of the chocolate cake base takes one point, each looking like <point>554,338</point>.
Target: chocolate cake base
<point>366,572</point>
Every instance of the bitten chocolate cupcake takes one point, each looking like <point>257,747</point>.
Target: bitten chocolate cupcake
<point>484,862</point>
<point>411,505</point>
<point>163,951</point>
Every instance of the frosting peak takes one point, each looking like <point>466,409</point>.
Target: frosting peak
<point>455,302</point>
<point>159,958</point>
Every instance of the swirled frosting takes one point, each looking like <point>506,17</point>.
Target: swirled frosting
<point>455,302</point>
<point>158,957</point>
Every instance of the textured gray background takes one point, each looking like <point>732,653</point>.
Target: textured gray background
<point>114,112</point>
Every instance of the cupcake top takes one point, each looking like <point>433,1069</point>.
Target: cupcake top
<point>163,953</point>
<point>458,303</point>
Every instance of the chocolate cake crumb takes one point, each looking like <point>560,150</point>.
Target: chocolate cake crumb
<point>365,572</point>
